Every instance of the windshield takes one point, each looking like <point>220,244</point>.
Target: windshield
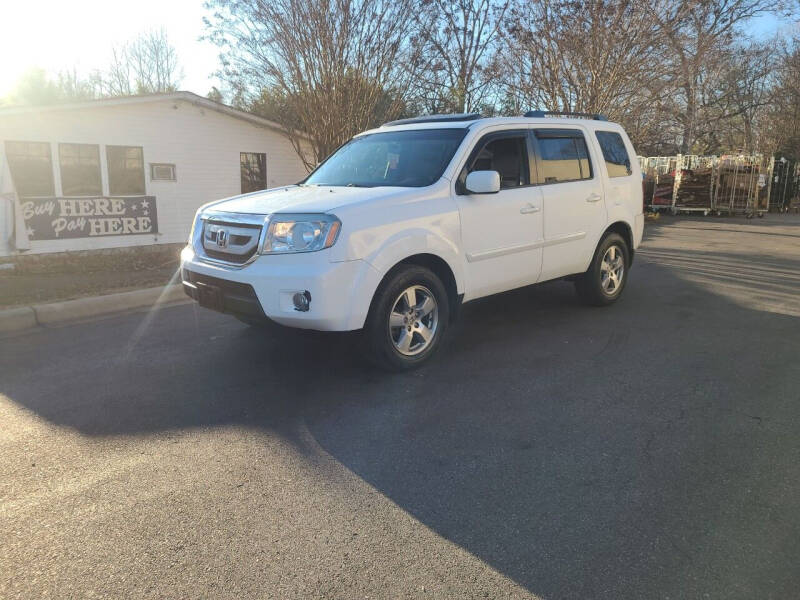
<point>397,158</point>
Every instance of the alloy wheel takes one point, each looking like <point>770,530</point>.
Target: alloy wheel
<point>612,270</point>
<point>413,320</point>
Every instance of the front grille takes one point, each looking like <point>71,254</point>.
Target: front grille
<point>232,242</point>
<point>231,258</point>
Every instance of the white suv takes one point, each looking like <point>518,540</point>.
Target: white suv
<point>405,222</point>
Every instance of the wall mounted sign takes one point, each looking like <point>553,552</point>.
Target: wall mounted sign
<point>66,218</point>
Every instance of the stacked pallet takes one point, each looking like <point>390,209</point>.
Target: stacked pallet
<point>694,189</point>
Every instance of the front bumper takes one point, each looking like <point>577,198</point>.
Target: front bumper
<point>234,298</point>
<point>340,292</point>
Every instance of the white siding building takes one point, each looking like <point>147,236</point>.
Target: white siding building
<point>128,171</point>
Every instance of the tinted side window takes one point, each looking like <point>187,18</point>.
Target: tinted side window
<point>563,159</point>
<point>618,163</point>
<point>508,156</point>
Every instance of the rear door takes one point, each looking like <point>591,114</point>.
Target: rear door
<point>572,195</point>
<point>501,233</point>
<point>624,183</point>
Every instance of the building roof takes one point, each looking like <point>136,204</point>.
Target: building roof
<point>183,96</point>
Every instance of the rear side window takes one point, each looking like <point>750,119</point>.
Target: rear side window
<point>618,163</point>
<point>562,156</point>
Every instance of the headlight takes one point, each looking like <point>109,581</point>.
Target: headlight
<point>300,233</point>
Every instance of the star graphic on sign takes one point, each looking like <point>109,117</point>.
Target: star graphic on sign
<point>147,212</point>
<point>29,232</point>
<point>133,206</point>
<point>145,204</point>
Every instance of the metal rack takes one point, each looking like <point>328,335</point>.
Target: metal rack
<point>742,185</point>
<point>738,184</point>
<point>659,181</point>
<point>785,180</point>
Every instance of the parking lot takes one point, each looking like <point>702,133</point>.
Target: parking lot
<point>551,450</point>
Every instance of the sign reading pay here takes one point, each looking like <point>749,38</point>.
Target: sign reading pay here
<point>61,218</point>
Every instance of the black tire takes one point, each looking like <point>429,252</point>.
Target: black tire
<point>589,286</point>
<point>378,338</point>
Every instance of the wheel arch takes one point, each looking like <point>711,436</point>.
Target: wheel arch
<point>432,249</point>
<point>624,229</point>
<point>439,266</point>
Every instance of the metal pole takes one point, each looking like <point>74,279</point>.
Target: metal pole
<point>676,182</point>
<point>770,171</point>
<point>785,181</point>
<point>732,195</point>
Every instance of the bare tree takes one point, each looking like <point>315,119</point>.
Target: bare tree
<point>336,66</point>
<point>74,87</point>
<point>215,94</point>
<point>36,87</point>
<point>781,119</point>
<point>679,75</point>
<point>596,57</point>
<point>735,98</point>
<point>148,64</point>
<point>697,32</point>
<point>457,41</point>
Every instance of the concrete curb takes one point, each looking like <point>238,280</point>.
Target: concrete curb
<point>17,319</point>
<point>56,313</point>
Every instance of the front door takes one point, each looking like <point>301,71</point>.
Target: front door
<point>572,192</point>
<point>502,232</point>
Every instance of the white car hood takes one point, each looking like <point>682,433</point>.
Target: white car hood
<point>301,199</point>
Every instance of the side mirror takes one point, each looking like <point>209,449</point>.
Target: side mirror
<point>483,182</point>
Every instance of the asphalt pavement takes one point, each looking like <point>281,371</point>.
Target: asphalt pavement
<point>551,450</point>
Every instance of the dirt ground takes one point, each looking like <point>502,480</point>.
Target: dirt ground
<point>54,278</point>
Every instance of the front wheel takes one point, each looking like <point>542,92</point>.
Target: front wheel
<point>407,319</point>
<point>604,280</point>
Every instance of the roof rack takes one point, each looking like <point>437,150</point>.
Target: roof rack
<point>435,119</point>
<point>538,114</point>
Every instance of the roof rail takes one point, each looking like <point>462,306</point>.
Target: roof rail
<point>538,114</point>
<point>435,119</point>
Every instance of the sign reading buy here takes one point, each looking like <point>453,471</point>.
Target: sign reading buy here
<point>63,218</point>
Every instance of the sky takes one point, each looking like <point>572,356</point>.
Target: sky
<point>58,35</point>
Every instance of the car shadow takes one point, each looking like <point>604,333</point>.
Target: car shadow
<point>637,451</point>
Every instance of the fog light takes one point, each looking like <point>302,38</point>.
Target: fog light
<point>302,301</point>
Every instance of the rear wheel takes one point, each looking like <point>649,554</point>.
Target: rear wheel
<point>407,319</point>
<point>604,280</point>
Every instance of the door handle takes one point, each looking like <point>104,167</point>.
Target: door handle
<point>529,208</point>
<point>594,197</point>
